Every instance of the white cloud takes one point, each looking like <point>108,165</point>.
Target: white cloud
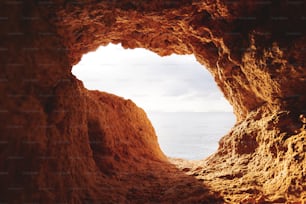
<point>174,83</point>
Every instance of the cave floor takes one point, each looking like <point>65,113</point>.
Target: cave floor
<point>158,182</point>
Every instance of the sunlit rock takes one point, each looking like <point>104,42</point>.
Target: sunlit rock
<point>61,143</point>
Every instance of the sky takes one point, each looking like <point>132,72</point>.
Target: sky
<point>176,83</point>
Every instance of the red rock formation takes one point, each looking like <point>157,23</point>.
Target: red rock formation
<point>62,143</point>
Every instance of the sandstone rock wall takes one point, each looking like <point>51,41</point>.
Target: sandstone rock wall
<point>62,143</point>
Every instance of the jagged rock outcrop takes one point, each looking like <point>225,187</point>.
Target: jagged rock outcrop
<point>62,143</point>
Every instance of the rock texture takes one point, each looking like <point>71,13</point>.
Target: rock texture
<point>62,143</point>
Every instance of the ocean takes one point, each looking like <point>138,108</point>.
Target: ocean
<point>191,135</point>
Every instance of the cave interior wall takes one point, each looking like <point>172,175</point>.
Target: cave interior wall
<point>53,142</point>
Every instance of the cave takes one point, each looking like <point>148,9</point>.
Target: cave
<point>61,143</point>
<point>180,97</point>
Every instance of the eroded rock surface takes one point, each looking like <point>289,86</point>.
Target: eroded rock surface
<point>62,143</point>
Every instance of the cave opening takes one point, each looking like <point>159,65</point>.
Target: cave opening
<point>180,97</point>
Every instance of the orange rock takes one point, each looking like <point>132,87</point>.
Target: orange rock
<point>62,143</point>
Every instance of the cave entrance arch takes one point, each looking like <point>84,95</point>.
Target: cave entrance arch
<point>187,110</point>
<point>255,51</point>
